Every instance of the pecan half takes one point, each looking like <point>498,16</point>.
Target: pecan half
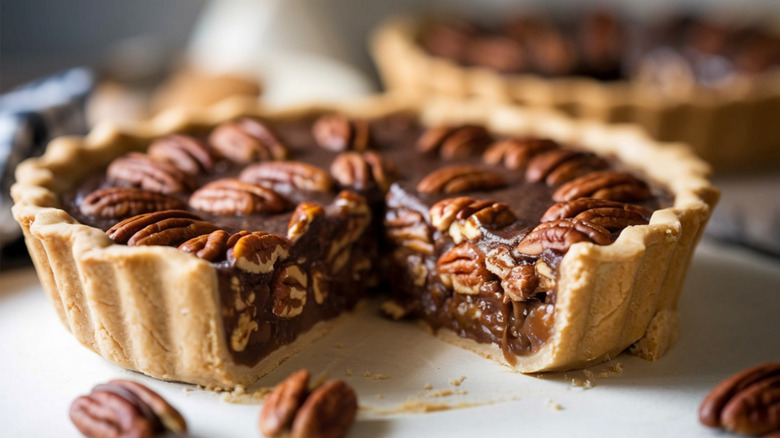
<point>247,140</point>
<point>140,170</point>
<point>462,268</point>
<point>407,228</point>
<point>188,154</point>
<point>328,412</point>
<point>746,403</point>
<point>457,179</point>
<point>293,173</point>
<point>121,202</point>
<point>338,133</point>
<point>124,408</point>
<point>303,216</point>
<point>232,196</point>
<point>210,247</point>
<point>515,153</point>
<point>465,217</point>
<point>453,142</point>
<point>168,227</point>
<point>518,281</point>
<point>611,215</point>
<point>361,171</point>
<point>560,165</point>
<point>560,234</point>
<point>614,186</point>
<point>289,286</point>
<point>258,252</point>
<point>283,402</point>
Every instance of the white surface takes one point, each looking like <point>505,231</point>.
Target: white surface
<point>729,322</point>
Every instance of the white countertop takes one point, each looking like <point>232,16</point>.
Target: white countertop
<point>729,321</point>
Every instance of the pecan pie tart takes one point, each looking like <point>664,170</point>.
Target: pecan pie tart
<point>710,83</point>
<point>208,247</point>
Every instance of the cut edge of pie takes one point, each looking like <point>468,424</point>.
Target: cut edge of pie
<point>156,309</point>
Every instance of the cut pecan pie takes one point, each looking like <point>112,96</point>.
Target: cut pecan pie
<point>208,247</point>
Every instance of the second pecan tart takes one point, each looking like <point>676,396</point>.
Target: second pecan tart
<point>209,247</point>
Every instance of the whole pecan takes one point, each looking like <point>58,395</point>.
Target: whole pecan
<point>281,405</point>
<point>464,217</point>
<point>560,165</point>
<point>289,285</point>
<point>293,173</point>
<point>363,170</point>
<point>232,196</point>
<point>611,215</point>
<point>303,216</point>
<point>607,184</point>
<point>168,227</point>
<point>515,153</point>
<point>210,247</point>
<point>559,235</point>
<point>247,140</point>
<point>186,153</point>
<point>457,179</point>
<point>518,281</point>
<point>338,133</point>
<point>453,142</point>
<point>124,408</point>
<point>257,252</point>
<point>142,171</point>
<point>746,403</point>
<point>463,269</point>
<point>121,202</point>
<point>407,228</point>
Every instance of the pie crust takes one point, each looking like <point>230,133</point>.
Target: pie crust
<point>156,310</point>
<point>730,127</point>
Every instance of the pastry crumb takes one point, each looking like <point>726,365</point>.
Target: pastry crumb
<point>584,384</point>
<point>381,377</point>
<point>427,387</point>
<point>458,381</point>
<point>367,374</point>
<point>379,396</point>
<point>338,345</point>
<point>349,372</point>
<point>552,405</point>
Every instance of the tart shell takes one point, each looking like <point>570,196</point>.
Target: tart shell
<point>156,310</point>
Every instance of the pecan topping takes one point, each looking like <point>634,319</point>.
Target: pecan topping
<point>463,269</point>
<point>611,215</point>
<point>615,186</point>
<point>124,408</point>
<point>232,196</point>
<point>338,133</point>
<point>407,228</point>
<point>120,202</point>
<point>141,171</point>
<point>454,141</point>
<point>457,179</point>
<point>188,154</point>
<point>293,173</point>
<point>361,171</point>
<point>746,403</point>
<point>169,227</point>
<point>257,252</point>
<point>209,247</point>
<point>289,289</point>
<point>283,402</point>
<point>559,235</point>
<point>302,218</point>
<point>560,165</point>
<point>516,153</point>
<point>465,217</point>
<point>247,140</point>
<point>518,281</point>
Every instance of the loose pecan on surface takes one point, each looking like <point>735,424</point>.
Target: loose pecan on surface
<point>606,184</point>
<point>298,175</point>
<point>559,235</point>
<point>122,202</point>
<point>247,140</point>
<point>463,269</point>
<point>515,153</point>
<point>324,412</point>
<point>362,170</point>
<point>465,217</point>
<point>124,408</point>
<point>458,179</point>
<point>338,133</point>
<point>611,215</point>
<point>257,252</point>
<point>186,153</point>
<point>747,403</point>
<point>142,171</point>
<point>453,142</point>
<point>233,196</point>
<point>556,166</point>
<point>168,227</point>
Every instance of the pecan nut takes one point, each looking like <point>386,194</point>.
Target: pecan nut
<point>168,227</point>
<point>257,252</point>
<point>209,247</point>
<point>518,281</point>
<point>247,140</point>
<point>283,402</point>
<point>140,170</point>
<point>361,171</point>
<point>289,288</point>
<point>121,202</point>
<point>465,217</point>
<point>454,142</point>
<point>232,196</point>
<point>462,268</point>
<point>338,133</point>
<point>124,408</point>
<point>292,173</point>
<point>611,215</point>
<point>557,166</point>
<point>457,179</point>
<point>328,412</point>
<point>355,210</point>
<point>186,153</point>
<point>614,186</point>
<point>407,228</point>
<point>515,153</point>
<point>560,234</point>
<point>746,403</point>
<point>303,216</point>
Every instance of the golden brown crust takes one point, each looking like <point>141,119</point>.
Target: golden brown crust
<point>729,127</point>
<point>607,295</point>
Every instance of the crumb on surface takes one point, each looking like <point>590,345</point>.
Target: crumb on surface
<point>458,381</point>
<point>380,377</point>
<point>552,405</point>
<point>367,374</point>
<point>338,345</point>
<point>349,371</point>
<point>379,396</point>
<point>427,387</point>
